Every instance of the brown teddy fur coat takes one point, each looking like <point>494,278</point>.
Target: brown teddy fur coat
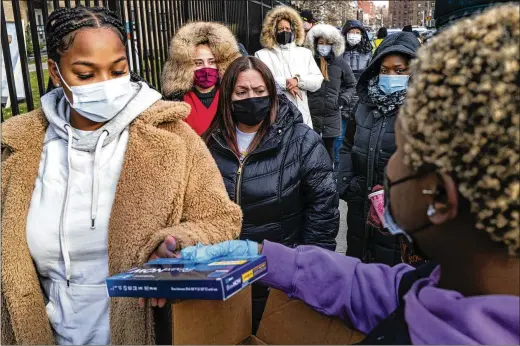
<point>178,74</point>
<point>268,35</point>
<point>169,185</point>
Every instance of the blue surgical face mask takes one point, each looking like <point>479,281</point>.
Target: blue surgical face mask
<point>100,102</point>
<point>389,84</point>
<point>324,49</point>
<point>392,226</point>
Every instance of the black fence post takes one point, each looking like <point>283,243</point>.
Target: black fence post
<point>186,10</point>
<point>140,57</point>
<point>144,55</point>
<point>150,50</point>
<point>112,4</point>
<point>36,48</point>
<point>247,26</point>
<point>8,67</point>
<point>157,57</point>
<point>131,20</point>
<point>224,7</point>
<point>23,54</point>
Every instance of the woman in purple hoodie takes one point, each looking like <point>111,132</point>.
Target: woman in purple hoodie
<point>452,187</point>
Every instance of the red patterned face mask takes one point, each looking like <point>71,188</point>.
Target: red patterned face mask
<point>206,77</point>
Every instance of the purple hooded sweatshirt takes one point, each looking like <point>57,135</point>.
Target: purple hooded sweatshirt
<point>365,294</point>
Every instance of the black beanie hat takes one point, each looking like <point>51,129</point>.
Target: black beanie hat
<point>447,12</point>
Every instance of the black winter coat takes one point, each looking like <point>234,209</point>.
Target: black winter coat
<point>286,186</point>
<point>367,146</point>
<point>325,103</point>
<point>358,58</point>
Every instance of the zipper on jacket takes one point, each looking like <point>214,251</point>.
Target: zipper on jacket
<point>238,187</point>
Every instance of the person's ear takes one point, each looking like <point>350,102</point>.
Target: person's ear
<point>445,206</point>
<point>53,72</point>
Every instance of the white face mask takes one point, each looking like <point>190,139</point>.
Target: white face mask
<point>100,102</point>
<point>324,49</point>
<point>353,39</point>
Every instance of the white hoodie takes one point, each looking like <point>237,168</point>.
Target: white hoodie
<point>67,223</point>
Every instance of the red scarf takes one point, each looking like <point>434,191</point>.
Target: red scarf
<point>200,117</point>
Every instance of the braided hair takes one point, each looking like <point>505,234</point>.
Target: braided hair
<point>63,24</point>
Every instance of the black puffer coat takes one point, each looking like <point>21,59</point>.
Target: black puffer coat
<point>326,103</point>
<point>367,146</point>
<point>286,186</point>
<point>357,57</point>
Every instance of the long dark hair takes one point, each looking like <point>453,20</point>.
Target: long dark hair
<point>224,120</point>
<point>61,27</point>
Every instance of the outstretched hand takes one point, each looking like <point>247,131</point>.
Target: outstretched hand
<point>167,249</point>
<point>230,248</point>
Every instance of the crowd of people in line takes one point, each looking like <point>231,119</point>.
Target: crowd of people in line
<point>251,154</point>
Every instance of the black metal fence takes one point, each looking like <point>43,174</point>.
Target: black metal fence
<point>150,26</point>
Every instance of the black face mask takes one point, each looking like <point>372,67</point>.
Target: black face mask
<point>251,111</point>
<point>284,37</point>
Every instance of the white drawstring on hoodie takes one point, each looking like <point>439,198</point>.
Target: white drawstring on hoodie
<point>95,180</point>
<point>94,201</point>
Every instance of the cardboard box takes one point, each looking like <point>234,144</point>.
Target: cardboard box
<point>285,322</point>
<point>292,322</point>
<point>212,322</point>
<point>177,278</point>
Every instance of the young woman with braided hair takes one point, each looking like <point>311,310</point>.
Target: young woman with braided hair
<point>101,178</point>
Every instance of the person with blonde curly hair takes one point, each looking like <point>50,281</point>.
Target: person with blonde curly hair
<point>452,187</point>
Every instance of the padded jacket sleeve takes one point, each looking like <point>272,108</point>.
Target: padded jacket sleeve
<point>348,85</point>
<point>346,171</point>
<point>319,188</point>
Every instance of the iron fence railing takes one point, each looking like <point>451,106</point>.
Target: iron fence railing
<point>150,26</point>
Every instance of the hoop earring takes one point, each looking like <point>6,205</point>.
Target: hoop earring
<point>431,211</point>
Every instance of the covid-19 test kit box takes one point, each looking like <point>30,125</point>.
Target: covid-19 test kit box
<point>177,278</point>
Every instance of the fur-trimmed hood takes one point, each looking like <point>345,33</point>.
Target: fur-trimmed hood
<point>328,32</point>
<point>268,35</point>
<point>178,74</point>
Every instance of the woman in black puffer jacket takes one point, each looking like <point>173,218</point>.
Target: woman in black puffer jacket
<point>370,141</point>
<point>273,165</point>
<point>338,87</point>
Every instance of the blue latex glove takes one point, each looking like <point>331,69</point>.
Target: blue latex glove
<point>230,248</point>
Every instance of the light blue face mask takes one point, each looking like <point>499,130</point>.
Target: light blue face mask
<point>392,226</point>
<point>389,84</point>
<point>324,49</point>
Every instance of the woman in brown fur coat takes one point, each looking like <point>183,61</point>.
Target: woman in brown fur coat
<point>199,55</point>
<point>101,178</point>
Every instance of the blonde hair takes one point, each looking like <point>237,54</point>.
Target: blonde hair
<point>462,114</point>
